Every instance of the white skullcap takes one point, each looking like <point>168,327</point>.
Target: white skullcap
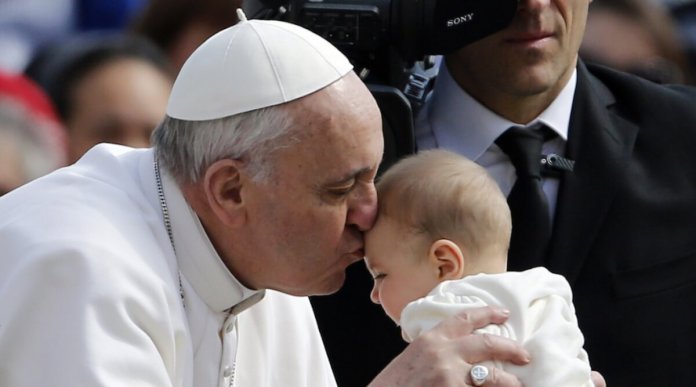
<point>252,65</point>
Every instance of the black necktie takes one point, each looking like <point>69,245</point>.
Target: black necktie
<point>531,222</point>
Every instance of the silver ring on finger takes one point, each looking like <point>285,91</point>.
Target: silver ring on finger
<point>479,374</point>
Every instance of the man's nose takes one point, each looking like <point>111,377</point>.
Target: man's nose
<point>363,209</point>
<point>532,5</point>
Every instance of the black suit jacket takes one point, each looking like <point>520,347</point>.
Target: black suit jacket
<point>624,236</point>
<point>625,227</point>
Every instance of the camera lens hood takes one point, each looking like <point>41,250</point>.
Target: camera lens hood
<point>435,27</point>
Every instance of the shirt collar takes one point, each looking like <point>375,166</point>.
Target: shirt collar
<point>557,115</point>
<point>462,124</point>
<point>198,260</point>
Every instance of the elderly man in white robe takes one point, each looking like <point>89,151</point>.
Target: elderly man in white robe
<point>189,264</point>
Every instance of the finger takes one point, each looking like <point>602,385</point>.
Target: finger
<point>482,347</point>
<point>498,378</point>
<point>466,322</point>
<point>598,379</point>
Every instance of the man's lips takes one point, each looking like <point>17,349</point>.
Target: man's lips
<point>355,246</point>
<point>359,253</point>
<point>528,37</point>
<point>356,255</point>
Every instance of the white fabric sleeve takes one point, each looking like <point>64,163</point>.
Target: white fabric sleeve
<point>84,317</point>
<point>542,318</point>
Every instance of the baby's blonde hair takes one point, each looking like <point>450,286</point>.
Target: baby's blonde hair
<point>446,196</point>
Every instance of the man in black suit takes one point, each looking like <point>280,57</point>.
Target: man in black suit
<point>623,221</point>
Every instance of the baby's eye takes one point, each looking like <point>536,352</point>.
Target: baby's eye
<point>378,276</point>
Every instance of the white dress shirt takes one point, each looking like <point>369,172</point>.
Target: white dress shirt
<point>91,290</point>
<point>542,319</point>
<point>452,119</point>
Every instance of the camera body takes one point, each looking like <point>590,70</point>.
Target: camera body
<point>375,34</point>
<point>361,30</point>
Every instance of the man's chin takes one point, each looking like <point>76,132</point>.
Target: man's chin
<point>330,286</point>
<point>334,282</point>
<point>334,286</point>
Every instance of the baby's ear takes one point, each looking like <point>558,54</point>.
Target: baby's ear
<point>447,258</point>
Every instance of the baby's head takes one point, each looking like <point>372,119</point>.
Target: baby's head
<point>441,217</point>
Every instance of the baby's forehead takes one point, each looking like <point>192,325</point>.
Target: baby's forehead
<point>371,263</point>
<point>370,249</point>
<point>390,219</point>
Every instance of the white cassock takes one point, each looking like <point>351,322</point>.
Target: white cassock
<point>542,319</point>
<point>90,290</point>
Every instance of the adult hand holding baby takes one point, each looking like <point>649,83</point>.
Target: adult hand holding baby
<point>451,345</point>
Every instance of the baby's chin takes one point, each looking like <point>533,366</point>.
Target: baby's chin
<point>396,320</point>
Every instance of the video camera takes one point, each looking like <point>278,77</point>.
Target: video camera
<point>391,44</point>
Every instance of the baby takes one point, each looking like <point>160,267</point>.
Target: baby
<point>439,247</point>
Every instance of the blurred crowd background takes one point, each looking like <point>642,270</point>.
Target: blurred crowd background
<point>74,73</point>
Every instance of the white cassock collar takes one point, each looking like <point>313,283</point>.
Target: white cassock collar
<point>198,260</point>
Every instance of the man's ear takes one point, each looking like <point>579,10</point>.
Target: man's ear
<point>448,259</point>
<point>223,182</point>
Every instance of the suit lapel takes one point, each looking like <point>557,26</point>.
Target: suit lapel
<point>600,142</point>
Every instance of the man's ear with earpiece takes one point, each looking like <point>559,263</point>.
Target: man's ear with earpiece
<point>223,182</point>
<point>447,258</point>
